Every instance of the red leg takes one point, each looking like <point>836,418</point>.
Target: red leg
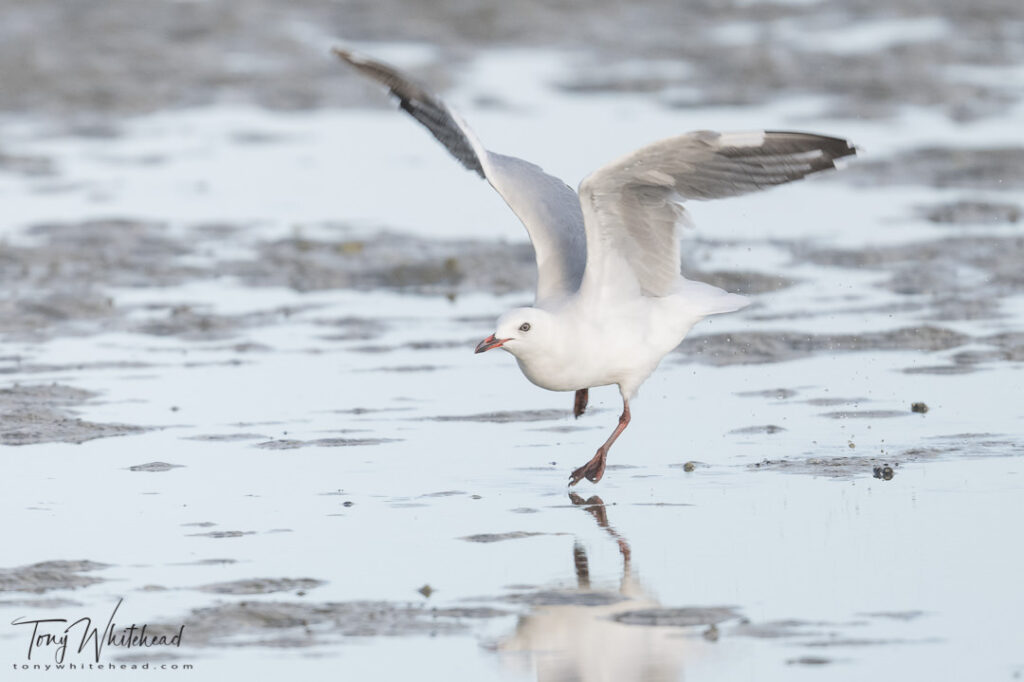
<point>594,469</point>
<point>580,405</point>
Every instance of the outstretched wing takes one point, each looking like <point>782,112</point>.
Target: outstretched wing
<point>547,207</point>
<point>631,206</point>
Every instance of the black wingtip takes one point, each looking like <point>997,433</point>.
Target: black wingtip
<point>840,160</point>
<point>832,149</point>
<point>417,101</point>
<point>350,56</point>
<point>341,53</point>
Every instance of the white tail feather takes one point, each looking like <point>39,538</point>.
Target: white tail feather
<point>705,299</point>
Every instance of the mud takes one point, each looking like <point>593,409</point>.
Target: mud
<point>353,328</point>
<point>50,575</point>
<point>736,281</point>
<point>780,629</point>
<point>39,603</point>
<point>390,261</point>
<point>940,370</point>
<point>971,213</point>
<point>292,444</point>
<point>902,308</point>
<point>777,393</point>
<point>839,466</point>
<point>18,366</point>
<point>818,634</point>
<point>766,429</point>
<point>227,437</point>
<point>506,417</point>
<point>57,282</point>
<point>945,167</point>
<point>487,538</point>
<point>829,402</point>
<point>809,660</point>
<point>896,615</point>
<point>302,624</point>
<point>58,287</point>
<point>262,586</point>
<point>39,313</point>
<point>568,428</point>
<point>29,166</point>
<point>679,617</point>
<point>45,414</point>
<point>405,369</point>
<point>153,467</point>
<point>565,598</point>
<point>107,57</point>
<point>887,465</point>
<point>193,323</point>
<point>864,414</point>
<point>360,411</point>
<point>858,642</point>
<point>747,348</point>
<point>1006,347</point>
<point>934,268</point>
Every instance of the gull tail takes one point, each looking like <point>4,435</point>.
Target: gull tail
<point>704,299</point>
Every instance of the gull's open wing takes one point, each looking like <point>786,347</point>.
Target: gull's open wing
<point>631,206</point>
<point>547,207</point>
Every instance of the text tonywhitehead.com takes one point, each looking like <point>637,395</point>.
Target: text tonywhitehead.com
<point>102,666</point>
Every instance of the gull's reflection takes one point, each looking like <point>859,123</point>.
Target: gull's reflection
<point>573,634</point>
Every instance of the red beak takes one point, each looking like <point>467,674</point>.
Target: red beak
<point>489,343</point>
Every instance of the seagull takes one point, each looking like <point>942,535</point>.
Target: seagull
<point>611,301</point>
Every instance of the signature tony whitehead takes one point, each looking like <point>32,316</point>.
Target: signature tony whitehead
<point>55,634</point>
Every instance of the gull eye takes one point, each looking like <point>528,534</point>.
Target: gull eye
<point>524,327</point>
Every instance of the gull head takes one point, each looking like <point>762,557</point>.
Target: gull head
<point>520,331</point>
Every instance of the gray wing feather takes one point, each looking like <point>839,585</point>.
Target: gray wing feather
<point>421,105</point>
<point>631,205</point>
<point>548,208</point>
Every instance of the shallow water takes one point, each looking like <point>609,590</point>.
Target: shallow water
<point>315,475</point>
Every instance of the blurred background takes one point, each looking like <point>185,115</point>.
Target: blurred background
<point>105,60</point>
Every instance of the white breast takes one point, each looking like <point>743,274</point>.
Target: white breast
<point>620,345</point>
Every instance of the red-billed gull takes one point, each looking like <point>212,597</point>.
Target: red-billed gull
<point>611,302</point>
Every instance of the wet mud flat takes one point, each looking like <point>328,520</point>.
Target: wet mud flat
<point>98,58</point>
<point>401,314</point>
<point>277,420</point>
<point>596,610</point>
<point>59,288</point>
<point>42,414</point>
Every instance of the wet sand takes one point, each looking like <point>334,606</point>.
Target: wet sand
<point>241,297</point>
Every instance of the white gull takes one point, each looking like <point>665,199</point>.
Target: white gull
<point>611,302</point>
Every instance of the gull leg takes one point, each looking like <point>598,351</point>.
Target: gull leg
<point>594,469</point>
<point>580,406</point>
